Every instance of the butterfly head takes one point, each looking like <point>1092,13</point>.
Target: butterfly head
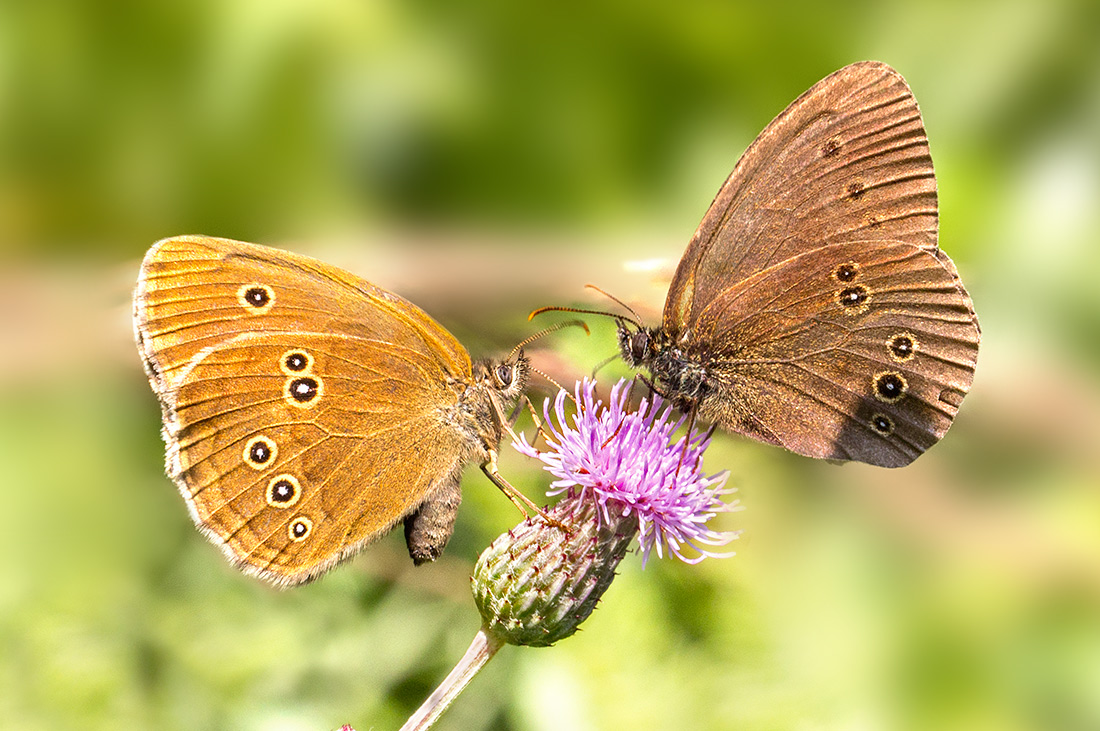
<point>508,377</point>
<point>637,345</point>
<point>499,383</point>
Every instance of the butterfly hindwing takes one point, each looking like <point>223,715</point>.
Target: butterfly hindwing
<point>259,445</point>
<point>856,351</point>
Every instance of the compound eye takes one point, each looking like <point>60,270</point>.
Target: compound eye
<point>639,345</point>
<point>504,375</point>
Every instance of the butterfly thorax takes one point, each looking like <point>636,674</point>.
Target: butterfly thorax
<point>679,376</point>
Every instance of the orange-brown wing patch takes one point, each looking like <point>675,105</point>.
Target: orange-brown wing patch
<point>352,454</point>
<point>195,292</point>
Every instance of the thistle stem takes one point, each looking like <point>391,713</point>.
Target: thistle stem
<point>481,650</point>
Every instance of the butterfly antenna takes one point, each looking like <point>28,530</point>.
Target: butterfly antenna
<point>554,383</point>
<point>633,320</point>
<point>531,407</point>
<point>578,310</point>
<point>618,301</point>
<point>509,423</point>
<point>547,331</point>
<point>534,416</point>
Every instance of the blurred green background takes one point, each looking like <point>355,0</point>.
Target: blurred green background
<point>483,159</point>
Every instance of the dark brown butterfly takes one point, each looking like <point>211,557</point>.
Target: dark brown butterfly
<point>307,411</point>
<point>812,308</point>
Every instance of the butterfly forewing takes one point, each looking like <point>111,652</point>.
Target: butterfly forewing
<point>196,291</point>
<point>847,160</point>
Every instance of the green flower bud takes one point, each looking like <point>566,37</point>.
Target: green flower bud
<point>536,583</point>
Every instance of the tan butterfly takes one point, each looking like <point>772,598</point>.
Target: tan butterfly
<point>307,411</point>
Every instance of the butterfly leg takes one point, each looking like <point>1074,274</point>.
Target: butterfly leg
<point>535,418</point>
<point>599,366</point>
<point>506,425</point>
<point>687,437</point>
<point>518,499</point>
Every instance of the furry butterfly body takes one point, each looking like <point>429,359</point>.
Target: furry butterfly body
<point>306,411</point>
<point>813,308</point>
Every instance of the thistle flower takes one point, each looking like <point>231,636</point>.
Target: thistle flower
<point>622,475</point>
<point>616,457</point>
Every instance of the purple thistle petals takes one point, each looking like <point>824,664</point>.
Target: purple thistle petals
<point>614,456</point>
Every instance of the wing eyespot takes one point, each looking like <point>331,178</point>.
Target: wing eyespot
<point>847,272</point>
<point>256,298</point>
<point>901,347</point>
<point>890,387</point>
<point>299,529</point>
<point>283,491</point>
<point>882,424</point>
<point>260,452</point>
<point>296,361</point>
<point>303,392</point>
<point>854,299</point>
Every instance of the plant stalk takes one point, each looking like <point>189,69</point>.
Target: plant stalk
<point>481,650</point>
